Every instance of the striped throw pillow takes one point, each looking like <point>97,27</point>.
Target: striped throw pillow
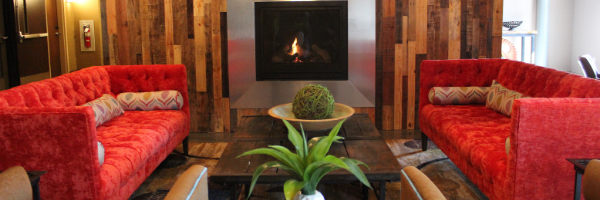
<point>457,95</point>
<point>146,101</point>
<point>105,108</point>
<point>501,99</point>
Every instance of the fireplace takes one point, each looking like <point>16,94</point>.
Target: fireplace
<point>303,40</point>
<point>261,67</point>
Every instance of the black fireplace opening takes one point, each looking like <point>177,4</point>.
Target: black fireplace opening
<point>302,40</point>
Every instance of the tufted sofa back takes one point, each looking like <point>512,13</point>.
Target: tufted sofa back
<point>82,86</point>
<point>457,73</point>
<point>537,81</point>
<point>529,79</point>
<point>71,89</point>
<point>148,78</point>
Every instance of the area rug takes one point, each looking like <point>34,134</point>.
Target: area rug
<point>444,174</point>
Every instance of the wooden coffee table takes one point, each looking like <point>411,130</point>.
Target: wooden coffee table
<point>362,142</point>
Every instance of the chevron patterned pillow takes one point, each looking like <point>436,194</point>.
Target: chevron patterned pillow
<point>501,99</point>
<point>146,101</point>
<point>105,108</point>
<point>457,95</point>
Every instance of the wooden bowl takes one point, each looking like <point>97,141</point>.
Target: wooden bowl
<point>284,111</point>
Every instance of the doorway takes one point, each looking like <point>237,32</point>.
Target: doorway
<point>29,46</point>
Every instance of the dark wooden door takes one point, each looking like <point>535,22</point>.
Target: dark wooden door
<point>32,48</point>
<point>53,43</point>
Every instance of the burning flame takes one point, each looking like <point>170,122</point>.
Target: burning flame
<point>294,47</point>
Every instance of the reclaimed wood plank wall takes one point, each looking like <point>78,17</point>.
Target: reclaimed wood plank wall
<point>174,32</point>
<point>193,33</point>
<point>410,31</point>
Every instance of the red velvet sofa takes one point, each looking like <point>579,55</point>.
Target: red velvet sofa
<point>42,129</point>
<point>559,122</point>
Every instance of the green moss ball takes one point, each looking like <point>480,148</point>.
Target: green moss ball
<point>313,102</point>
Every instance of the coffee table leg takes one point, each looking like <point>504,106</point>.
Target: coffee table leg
<point>365,191</point>
<point>382,190</point>
<point>232,192</point>
<point>577,195</point>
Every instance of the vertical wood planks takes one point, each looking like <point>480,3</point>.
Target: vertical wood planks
<point>188,32</point>
<point>397,116</point>
<point>169,31</point>
<point>200,41</point>
<point>388,117</point>
<point>215,26</point>
<point>421,26</point>
<point>410,108</point>
<point>122,27</point>
<point>177,54</point>
<point>226,116</point>
<point>111,25</point>
<point>454,29</point>
<point>145,29</point>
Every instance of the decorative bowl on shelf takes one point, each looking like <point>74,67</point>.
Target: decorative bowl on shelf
<point>512,24</point>
<point>284,111</point>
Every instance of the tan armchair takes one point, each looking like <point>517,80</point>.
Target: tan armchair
<point>193,183</point>
<point>15,184</point>
<point>416,186</point>
<point>591,180</point>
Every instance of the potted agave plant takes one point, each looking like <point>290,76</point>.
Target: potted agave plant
<point>308,165</point>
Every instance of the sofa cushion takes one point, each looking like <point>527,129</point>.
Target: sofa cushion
<point>160,100</point>
<point>457,95</point>
<point>71,89</point>
<point>132,138</point>
<point>467,126</point>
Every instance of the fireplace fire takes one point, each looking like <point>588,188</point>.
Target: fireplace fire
<point>301,40</point>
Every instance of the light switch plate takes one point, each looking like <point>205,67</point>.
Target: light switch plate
<point>92,36</point>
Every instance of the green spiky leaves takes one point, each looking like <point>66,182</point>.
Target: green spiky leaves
<point>309,164</point>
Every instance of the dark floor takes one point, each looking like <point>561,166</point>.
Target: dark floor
<point>226,137</point>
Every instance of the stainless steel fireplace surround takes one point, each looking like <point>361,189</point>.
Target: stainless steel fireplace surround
<point>246,92</point>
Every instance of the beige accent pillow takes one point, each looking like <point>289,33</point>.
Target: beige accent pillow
<point>457,95</point>
<point>501,99</point>
<point>148,101</point>
<point>100,152</point>
<point>507,145</point>
<point>105,108</point>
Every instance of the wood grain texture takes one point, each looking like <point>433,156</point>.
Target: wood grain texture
<point>169,31</point>
<point>215,26</point>
<point>200,41</point>
<point>192,32</point>
<point>454,30</point>
<point>388,113</point>
<point>410,107</point>
<point>398,73</point>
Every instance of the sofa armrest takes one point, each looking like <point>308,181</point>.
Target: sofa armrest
<point>193,182</point>
<point>544,133</point>
<point>456,73</point>
<point>61,141</point>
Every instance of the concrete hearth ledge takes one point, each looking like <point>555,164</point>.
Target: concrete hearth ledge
<point>266,94</point>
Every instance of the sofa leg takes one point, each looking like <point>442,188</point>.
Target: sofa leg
<point>185,143</point>
<point>424,140</point>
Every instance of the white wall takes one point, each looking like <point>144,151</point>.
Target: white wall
<point>586,32</point>
<point>560,32</point>
<point>520,10</point>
